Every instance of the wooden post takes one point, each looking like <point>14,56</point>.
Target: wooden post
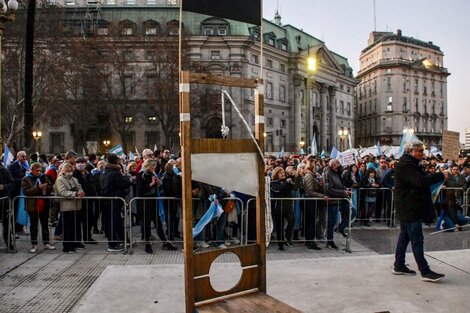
<point>260,199</point>
<point>185,128</point>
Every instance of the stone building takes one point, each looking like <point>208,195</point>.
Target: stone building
<point>403,84</point>
<point>226,47</point>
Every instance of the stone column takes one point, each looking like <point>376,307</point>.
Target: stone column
<point>324,113</point>
<point>297,101</point>
<point>333,129</point>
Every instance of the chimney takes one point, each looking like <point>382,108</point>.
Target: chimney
<point>430,42</point>
<point>399,32</point>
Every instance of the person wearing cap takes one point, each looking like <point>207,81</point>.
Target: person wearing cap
<point>71,157</point>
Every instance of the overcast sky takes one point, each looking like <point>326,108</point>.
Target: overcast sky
<point>344,26</point>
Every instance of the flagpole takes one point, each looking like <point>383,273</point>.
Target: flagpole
<point>261,75</point>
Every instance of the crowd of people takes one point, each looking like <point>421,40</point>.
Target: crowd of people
<point>155,174</point>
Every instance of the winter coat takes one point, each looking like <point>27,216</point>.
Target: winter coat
<point>68,188</point>
<point>281,189</point>
<point>31,189</point>
<point>412,197</point>
<point>7,181</point>
<point>333,184</point>
<point>146,208</point>
<point>312,186</point>
<point>17,172</point>
<point>113,183</point>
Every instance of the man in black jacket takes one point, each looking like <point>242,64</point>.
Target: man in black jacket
<point>113,183</point>
<point>414,206</point>
<point>18,171</point>
<point>7,185</point>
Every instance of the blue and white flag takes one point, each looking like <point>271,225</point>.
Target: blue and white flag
<point>281,153</point>
<point>407,137</point>
<point>7,157</point>
<point>117,150</point>
<point>314,146</point>
<point>302,152</point>
<point>215,210</point>
<point>323,154</point>
<point>435,189</point>
<point>379,149</point>
<point>131,156</point>
<point>334,153</point>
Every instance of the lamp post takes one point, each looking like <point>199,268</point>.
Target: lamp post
<point>343,134</point>
<point>7,14</point>
<point>311,68</point>
<point>106,143</point>
<point>37,134</point>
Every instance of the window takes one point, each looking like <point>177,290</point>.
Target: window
<point>126,28</point>
<point>389,104</point>
<point>404,84</point>
<point>110,1</point>
<point>271,42</point>
<point>416,85</point>
<point>348,90</point>
<point>222,31</point>
<point>151,2</point>
<point>425,87</point>
<point>102,31</point>
<point>128,55</point>
<point>208,31</point>
<point>128,139</point>
<point>129,119</point>
<point>389,84</point>
<point>269,63</point>
<point>284,47</point>
<point>129,84</point>
<point>68,2</point>
<point>282,93</point>
<point>255,59</point>
<point>282,68</point>
<point>341,104</point>
<point>269,90</point>
<point>130,2</point>
<point>405,105</point>
<point>151,139</point>
<point>283,123</point>
<point>349,109</point>
<point>151,85</point>
<point>270,121</point>
<point>171,2</point>
<point>151,27</point>
<point>215,55</point>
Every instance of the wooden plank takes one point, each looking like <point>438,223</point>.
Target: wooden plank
<point>260,199</point>
<point>223,146</point>
<point>248,255</point>
<point>208,79</point>
<point>185,128</point>
<point>203,289</point>
<point>251,303</point>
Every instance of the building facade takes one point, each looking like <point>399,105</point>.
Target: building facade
<point>467,138</point>
<point>403,84</point>
<point>217,46</point>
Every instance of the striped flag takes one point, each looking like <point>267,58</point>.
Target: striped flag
<point>117,150</point>
<point>7,156</point>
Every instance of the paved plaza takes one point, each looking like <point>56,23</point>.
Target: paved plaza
<point>51,281</point>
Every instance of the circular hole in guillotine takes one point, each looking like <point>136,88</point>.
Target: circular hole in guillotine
<point>225,272</point>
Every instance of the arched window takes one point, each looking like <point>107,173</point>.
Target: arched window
<point>151,28</point>
<point>215,27</point>
<point>127,28</point>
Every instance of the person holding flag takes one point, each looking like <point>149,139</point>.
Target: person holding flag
<point>18,171</point>
<point>414,206</point>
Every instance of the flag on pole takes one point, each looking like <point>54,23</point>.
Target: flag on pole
<point>137,151</point>
<point>117,150</point>
<point>334,153</point>
<point>314,149</point>
<point>379,149</point>
<point>350,142</point>
<point>323,154</point>
<point>131,156</point>
<point>7,156</point>
<point>281,153</point>
<point>248,11</point>
<point>155,147</point>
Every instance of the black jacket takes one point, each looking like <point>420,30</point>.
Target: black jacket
<point>281,189</point>
<point>17,172</point>
<point>86,181</point>
<point>412,195</point>
<point>113,183</point>
<point>7,181</point>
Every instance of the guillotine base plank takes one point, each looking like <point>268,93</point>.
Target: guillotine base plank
<point>250,303</point>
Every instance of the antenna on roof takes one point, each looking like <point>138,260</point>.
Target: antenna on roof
<point>375,19</point>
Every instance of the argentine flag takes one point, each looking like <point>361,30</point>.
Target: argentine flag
<point>7,157</point>
<point>117,150</point>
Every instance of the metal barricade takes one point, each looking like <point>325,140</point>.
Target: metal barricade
<point>466,204</point>
<point>7,231</point>
<point>375,205</point>
<point>320,218</point>
<point>149,211</point>
<point>110,212</point>
<point>451,199</point>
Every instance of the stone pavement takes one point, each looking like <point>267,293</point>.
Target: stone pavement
<point>50,281</point>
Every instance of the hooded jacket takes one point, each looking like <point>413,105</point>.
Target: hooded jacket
<point>412,197</point>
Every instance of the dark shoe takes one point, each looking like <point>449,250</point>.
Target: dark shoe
<point>296,235</point>
<point>80,246</point>
<point>432,276</point>
<point>313,246</point>
<point>331,245</point>
<point>91,241</point>
<point>169,246</point>
<point>281,248</point>
<point>403,270</point>
<point>289,243</point>
<point>148,249</point>
<point>115,249</point>
<point>342,232</point>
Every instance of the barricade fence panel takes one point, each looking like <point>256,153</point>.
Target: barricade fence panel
<point>164,215</point>
<point>306,220</point>
<point>75,222</point>
<point>374,205</point>
<point>452,206</point>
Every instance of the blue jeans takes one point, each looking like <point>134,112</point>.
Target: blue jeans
<point>411,231</point>
<point>343,207</point>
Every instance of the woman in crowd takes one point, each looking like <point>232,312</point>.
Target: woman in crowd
<point>371,183</point>
<point>172,205</point>
<point>68,187</point>
<point>36,184</point>
<point>281,187</point>
<point>147,184</point>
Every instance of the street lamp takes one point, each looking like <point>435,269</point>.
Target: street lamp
<point>7,14</point>
<point>106,143</point>
<point>311,69</point>
<point>343,134</point>
<point>37,134</point>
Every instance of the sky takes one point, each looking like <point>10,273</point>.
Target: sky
<point>344,26</point>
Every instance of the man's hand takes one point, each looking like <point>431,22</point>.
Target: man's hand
<point>43,186</point>
<point>80,194</point>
